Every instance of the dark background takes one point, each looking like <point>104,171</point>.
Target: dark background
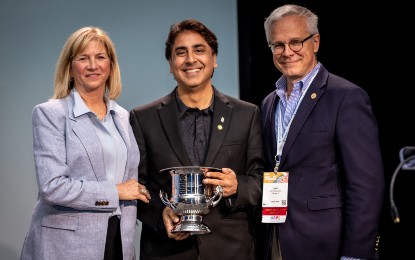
<point>371,46</point>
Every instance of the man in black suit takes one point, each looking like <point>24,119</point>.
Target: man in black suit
<point>196,125</point>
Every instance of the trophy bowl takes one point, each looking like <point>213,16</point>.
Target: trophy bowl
<point>191,198</point>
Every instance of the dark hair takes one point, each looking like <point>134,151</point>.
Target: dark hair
<point>190,25</point>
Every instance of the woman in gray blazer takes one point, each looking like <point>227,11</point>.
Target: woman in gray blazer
<point>86,159</point>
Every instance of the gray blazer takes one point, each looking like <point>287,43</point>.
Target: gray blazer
<point>74,202</point>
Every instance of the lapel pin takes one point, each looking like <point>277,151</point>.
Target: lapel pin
<point>220,127</point>
<point>313,96</point>
<point>222,119</point>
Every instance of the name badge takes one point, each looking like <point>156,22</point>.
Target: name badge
<point>274,197</point>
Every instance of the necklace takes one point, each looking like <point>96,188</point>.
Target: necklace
<point>99,113</point>
<point>102,113</point>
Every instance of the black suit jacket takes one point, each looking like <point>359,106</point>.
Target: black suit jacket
<point>237,144</point>
<point>336,180</point>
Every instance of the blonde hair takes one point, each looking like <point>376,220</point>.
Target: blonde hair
<point>75,44</point>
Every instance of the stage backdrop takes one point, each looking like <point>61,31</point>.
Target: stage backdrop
<point>32,35</point>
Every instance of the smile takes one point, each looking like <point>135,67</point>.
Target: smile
<point>192,70</point>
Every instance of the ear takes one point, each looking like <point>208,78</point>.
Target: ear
<point>316,42</point>
<point>215,65</point>
<point>171,70</point>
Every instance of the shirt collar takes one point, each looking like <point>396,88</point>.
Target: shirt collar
<point>81,108</point>
<point>182,108</point>
<point>303,84</point>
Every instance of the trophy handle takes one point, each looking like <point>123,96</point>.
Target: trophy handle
<point>165,199</point>
<point>217,195</point>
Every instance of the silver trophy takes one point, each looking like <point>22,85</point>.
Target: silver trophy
<point>191,198</point>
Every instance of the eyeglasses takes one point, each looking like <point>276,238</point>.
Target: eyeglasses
<point>295,45</point>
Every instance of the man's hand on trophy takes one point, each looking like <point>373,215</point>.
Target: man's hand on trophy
<point>170,219</point>
<point>226,179</point>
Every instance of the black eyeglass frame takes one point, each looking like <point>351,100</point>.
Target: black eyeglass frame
<point>272,45</point>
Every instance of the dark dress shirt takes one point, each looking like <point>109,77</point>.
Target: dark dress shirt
<point>195,126</point>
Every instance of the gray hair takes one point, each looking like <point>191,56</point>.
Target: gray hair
<point>285,10</point>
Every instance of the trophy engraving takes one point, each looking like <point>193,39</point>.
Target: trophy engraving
<point>191,198</point>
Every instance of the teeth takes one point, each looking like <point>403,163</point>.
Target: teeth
<point>193,70</point>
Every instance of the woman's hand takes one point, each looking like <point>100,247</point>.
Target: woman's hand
<point>133,190</point>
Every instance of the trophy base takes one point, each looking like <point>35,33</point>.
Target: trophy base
<point>192,227</point>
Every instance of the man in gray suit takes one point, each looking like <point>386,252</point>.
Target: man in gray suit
<point>198,125</point>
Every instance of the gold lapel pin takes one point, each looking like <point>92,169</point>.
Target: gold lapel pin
<point>313,96</point>
<point>220,127</point>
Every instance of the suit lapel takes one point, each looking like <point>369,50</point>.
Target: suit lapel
<point>311,97</point>
<point>169,117</point>
<point>123,130</point>
<point>83,128</point>
<point>271,116</point>
<point>221,119</point>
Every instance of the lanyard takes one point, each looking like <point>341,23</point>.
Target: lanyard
<point>282,135</point>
